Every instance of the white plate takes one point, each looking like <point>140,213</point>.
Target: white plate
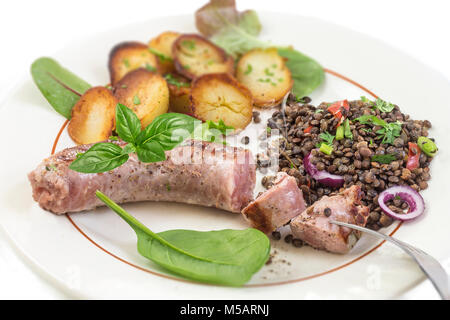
<point>99,259</point>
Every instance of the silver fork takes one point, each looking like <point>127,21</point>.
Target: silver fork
<point>429,265</point>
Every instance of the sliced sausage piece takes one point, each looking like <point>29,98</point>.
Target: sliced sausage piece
<point>198,172</point>
<point>277,206</point>
<point>313,226</point>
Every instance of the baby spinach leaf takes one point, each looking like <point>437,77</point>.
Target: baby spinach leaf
<point>128,125</point>
<point>306,72</point>
<point>101,157</point>
<point>168,129</point>
<point>60,87</point>
<point>227,257</point>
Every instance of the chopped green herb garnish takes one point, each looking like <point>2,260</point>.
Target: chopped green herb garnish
<point>347,132</point>
<point>325,148</point>
<point>126,63</point>
<point>168,187</point>
<point>124,86</point>
<point>150,67</point>
<point>268,72</point>
<point>388,132</point>
<point>383,158</point>
<point>280,79</point>
<point>109,87</point>
<point>274,66</point>
<point>190,44</point>
<point>160,55</point>
<point>340,133</point>
<point>171,80</point>
<point>268,129</point>
<point>51,167</point>
<point>187,67</point>
<point>384,106</point>
<point>327,137</point>
<point>249,69</point>
<point>136,100</point>
<point>366,100</point>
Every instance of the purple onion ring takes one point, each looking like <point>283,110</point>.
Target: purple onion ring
<point>324,177</point>
<point>406,193</point>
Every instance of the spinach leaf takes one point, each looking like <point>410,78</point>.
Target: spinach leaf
<point>128,125</point>
<point>306,72</point>
<point>227,257</point>
<point>60,87</point>
<point>101,157</point>
<point>168,129</point>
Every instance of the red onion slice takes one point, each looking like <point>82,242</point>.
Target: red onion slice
<point>324,177</point>
<point>406,193</point>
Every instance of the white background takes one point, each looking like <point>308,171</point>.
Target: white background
<point>30,29</point>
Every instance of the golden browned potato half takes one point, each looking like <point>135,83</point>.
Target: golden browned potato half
<point>162,46</point>
<point>194,56</point>
<point>129,56</point>
<point>219,96</point>
<point>144,92</point>
<point>93,116</point>
<point>265,74</point>
<point>179,90</point>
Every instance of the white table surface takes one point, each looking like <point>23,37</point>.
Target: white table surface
<point>29,29</point>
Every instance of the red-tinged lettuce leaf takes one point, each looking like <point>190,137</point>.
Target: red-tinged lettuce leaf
<point>218,15</point>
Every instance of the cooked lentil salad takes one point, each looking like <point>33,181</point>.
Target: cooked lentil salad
<point>368,143</point>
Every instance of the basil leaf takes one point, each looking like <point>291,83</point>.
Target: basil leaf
<point>227,257</point>
<point>306,72</point>
<point>60,87</point>
<point>151,152</point>
<point>101,157</point>
<point>168,129</point>
<point>128,125</point>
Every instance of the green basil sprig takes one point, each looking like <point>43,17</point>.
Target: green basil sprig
<point>164,133</point>
<point>226,257</point>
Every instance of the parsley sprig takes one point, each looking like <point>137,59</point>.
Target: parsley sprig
<point>379,104</point>
<point>388,132</point>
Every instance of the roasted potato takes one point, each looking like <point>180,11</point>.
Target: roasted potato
<point>179,90</point>
<point>218,96</point>
<point>144,92</point>
<point>162,48</point>
<point>194,56</point>
<point>129,56</point>
<point>265,74</point>
<point>93,116</point>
